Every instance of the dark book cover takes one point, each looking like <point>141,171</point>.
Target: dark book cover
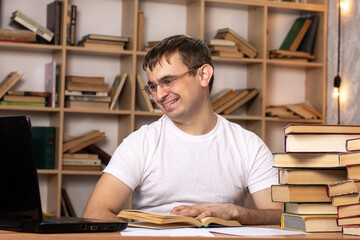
<point>44,146</point>
<point>53,20</point>
<point>292,33</point>
<point>308,42</point>
<point>104,156</point>
<point>73,25</point>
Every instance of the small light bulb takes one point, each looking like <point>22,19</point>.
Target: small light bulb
<point>335,92</point>
<point>344,4</point>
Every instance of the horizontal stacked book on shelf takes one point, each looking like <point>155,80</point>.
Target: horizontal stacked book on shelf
<point>307,172</point>
<point>20,20</point>
<point>224,48</point>
<point>76,157</point>
<point>299,41</point>
<point>14,35</point>
<point>77,85</point>
<point>104,42</point>
<point>293,111</point>
<point>229,100</point>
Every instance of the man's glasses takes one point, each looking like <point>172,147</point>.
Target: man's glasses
<point>165,83</point>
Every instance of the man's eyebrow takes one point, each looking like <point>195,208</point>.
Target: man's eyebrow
<point>162,78</point>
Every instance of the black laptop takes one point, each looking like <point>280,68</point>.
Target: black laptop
<point>20,204</point>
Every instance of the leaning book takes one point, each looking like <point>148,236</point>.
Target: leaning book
<point>161,221</point>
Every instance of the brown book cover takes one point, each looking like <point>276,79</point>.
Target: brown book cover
<point>104,156</point>
<point>311,176</point>
<point>299,193</point>
<point>140,31</point>
<point>81,156</point>
<point>222,97</point>
<point>343,187</point>
<point>78,140</point>
<point>252,93</point>
<point>307,160</point>
<point>86,143</point>
<point>84,79</point>
<point>351,210</point>
<point>240,93</point>
<point>34,99</point>
<point>68,203</point>
<point>102,46</point>
<point>17,35</point>
<point>142,98</point>
<point>299,37</point>
<point>101,87</point>
<point>82,168</point>
<point>345,199</point>
<point>321,128</point>
<point>87,104</point>
<point>8,82</point>
<point>116,88</point>
<point>234,54</point>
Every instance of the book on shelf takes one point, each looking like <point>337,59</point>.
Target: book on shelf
<point>222,97</point>
<point>19,18</point>
<point>308,42</point>
<point>280,111</point>
<point>85,93</point>
<point>51,83</point>
<point>220,48</point>
<point>103,156</point>
<point>160,221</point>
<point>34,99</point>
<point>239,94</point>
<point>8,82</point>
<point>68,205</point>
<point>142,98</point>
<point>343,187</point>
<point>353,171</point>
<point>81,162</point>
<point>28,93</point>
<point>318,138</point>
<point>140,31</point>
<point>251,95</point>
<point>299,193</point>
<point>307,160</point>
<point>84,79</point>
<point>86,143</point>
<point>152,43</point>
<point>221,42</point>
<point>44,139</point>
<point>351,210</point>
<point>311,176</point>
<point>243,45</point>
<point>310,223</point>
<point>310,208</point>
<point>53,20</point>
<point>101,46</point>
<point>81,155</point>
<point>79,141</point>
<point>351,230</point>
<point>349,221</point>
<point>103,42</point>
<point>352,144</point>
<point>73,20</point>
<point>345,199</point>
<point>301,111</point>
<point>228,54</point>
<point>89,99</point>
<point>290,55</point>
<point>82,86</point>
<point>105,37</point>
<point>23,104</point>
<point>116,88</point>
<point>17,35</point>
<point>296,33</point>
<point>82,168</point>
<point>87,104</point>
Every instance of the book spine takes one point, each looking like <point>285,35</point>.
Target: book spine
<point>44,143</point>
<point>73,24</point>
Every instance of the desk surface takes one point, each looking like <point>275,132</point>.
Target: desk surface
<point>9,235</point>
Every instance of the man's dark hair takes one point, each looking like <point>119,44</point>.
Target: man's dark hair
<point>194,53</point>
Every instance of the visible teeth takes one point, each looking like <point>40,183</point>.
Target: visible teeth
<point>167,104</point>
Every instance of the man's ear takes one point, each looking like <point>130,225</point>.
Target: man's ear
<point>206,72</point>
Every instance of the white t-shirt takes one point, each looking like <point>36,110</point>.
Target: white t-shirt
<point>166,167</point>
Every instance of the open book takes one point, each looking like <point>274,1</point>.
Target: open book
<point>158,220</point>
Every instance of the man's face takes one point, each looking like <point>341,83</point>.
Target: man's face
<point>181,101</point>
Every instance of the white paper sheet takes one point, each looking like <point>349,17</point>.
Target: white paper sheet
<point>182,232</point>
<point>253,231</point>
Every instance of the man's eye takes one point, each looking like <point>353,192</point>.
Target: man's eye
<point>168,81</point>
<point>152,86</point>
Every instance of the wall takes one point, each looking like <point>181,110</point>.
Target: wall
<point>349,62</point>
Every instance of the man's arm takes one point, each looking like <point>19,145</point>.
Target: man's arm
<point>267,212</point>
<point>108,198</point>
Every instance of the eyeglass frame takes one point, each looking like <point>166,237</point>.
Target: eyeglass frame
<point>171,79</point>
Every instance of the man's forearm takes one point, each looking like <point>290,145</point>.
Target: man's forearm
<point>247,216</point>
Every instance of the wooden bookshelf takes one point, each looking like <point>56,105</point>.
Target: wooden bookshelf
<point>263,23</point>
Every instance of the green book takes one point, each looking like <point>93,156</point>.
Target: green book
<point>44,139</point>
<point>26,104</point>
<point>293,32</point>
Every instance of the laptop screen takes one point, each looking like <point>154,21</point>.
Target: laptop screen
<point>20,198</point>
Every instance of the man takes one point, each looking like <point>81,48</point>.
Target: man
<point>191,161</point>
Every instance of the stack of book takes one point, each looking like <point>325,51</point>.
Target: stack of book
<point>293,111</point>
<point>229,100</point>
<point>243,46</point>
<point>14,35</point>
<point>311,161</point>
<point>104,42</point>
<point>25,98</point>
<point>224,48</point>
<point>81,161</point>
<point>74,157</point>
<point>299,41</point>
<point>345,194</point>
<point>87,92</point>
<point>20,20</point>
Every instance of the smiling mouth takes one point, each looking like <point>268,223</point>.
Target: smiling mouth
<point>171,102</point>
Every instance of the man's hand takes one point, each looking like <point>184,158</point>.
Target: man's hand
<point>225,211</point>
